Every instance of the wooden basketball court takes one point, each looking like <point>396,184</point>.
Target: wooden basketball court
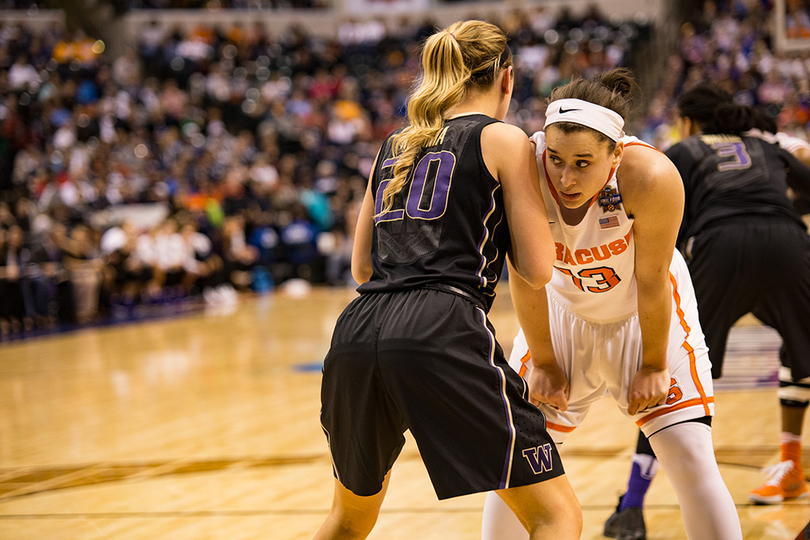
<point>206,427</point>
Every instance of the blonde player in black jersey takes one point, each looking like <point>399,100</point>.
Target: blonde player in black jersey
<point>619,314</point>
<point>449,197</point>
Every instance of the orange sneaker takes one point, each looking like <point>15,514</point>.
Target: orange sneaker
<point>785,481</point>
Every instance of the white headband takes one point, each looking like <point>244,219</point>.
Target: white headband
<point>588,114</point>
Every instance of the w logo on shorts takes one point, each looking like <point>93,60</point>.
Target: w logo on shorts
<point>539,458</point>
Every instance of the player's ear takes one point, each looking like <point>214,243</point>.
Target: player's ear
<point>507,80</point>
<point>617,154</point>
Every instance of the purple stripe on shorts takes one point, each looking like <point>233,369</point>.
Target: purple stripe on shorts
<point>507,464</point>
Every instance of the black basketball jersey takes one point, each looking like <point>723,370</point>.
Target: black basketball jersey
<point>727,176</point>
<point>447,224</point>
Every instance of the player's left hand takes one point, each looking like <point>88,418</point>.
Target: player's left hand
<point>649,388</point>
<point>549,385</point>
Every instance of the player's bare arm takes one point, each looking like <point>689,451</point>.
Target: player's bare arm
<point>509,156</point>
<point>361,250</point>
<point>653,194</point>
<point>547,381</point>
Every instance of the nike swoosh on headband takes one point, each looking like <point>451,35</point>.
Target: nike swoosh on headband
<point>578,111</point>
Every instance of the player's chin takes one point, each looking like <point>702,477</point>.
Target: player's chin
<point>571,200</point>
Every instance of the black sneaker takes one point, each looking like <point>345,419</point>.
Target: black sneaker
<point>627,524</point>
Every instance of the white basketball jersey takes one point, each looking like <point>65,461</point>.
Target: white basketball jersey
<point>594,272</point>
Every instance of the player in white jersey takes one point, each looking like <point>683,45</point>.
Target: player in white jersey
<point>747,201</point>
<point>614,207</point>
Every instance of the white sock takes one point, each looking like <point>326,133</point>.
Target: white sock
<point>648,465</point>
<point>687,456</point>
<point>787,437</point>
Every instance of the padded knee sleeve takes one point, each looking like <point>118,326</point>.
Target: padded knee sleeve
<point>793,393</point>
<point>687,456</point>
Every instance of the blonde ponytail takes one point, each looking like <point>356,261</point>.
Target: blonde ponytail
<point>466,54</point>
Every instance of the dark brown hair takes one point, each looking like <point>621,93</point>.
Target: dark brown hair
<point>612,89</point>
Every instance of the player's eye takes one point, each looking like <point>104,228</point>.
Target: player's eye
<point>582,163</point>
<point>555,160</point>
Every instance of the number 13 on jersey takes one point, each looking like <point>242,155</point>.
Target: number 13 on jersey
<point>605,278</point>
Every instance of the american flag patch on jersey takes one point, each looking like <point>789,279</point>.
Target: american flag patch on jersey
<point>608,222</point>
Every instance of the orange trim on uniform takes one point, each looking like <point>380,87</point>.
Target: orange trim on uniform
<point>560,428</point>
<point>686,345</point>
<point>696,377</point>
<point>680,312</point>
<point>644,145</point>
<point>683,405</point>
<point>523,362</point>
<point>703,399</point>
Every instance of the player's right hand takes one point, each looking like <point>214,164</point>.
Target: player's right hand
<point>649,388</point>
<point>549,385</point>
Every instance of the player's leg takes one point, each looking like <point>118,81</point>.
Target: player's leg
<point>499,521</point>
<point>786,480</point>
<point>714,260</point>
<point>356,412</point>
<point>549,509</point>
<point>351,516</point>
<point>686,454</point>
<point>690,398</point>
<point>627,522</point>
<point>786,307</point>
<point>502,508</point>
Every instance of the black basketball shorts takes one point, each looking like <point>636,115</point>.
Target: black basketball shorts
<point>427,360</point>
<point>754,265</point>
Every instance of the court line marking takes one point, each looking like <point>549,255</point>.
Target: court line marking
<point>27,480</point>
<point>320,511</point>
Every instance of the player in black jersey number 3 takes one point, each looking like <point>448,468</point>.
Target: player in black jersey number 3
<point>449,197</point>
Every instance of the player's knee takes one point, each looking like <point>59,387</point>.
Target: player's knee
<point>352,525</point>
<point>565,522</point>
<point>683,448</point>
<point>793,403</point>
<point>546,508</point>
<point>794,393</point>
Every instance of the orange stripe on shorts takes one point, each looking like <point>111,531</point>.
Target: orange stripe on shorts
<point>523,362</point>
<point>559,427</point>
<point>702,400</point>
<point>677,407</point>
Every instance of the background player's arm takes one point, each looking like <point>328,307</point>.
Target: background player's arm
<point>547,381</point>
<point>798,174</point>
<point>679,155</point>
<point>802,153</point>
<point>361,250</point>
<point>509,156</point>
<point>653,194</point>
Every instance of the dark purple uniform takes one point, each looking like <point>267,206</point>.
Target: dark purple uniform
<point>745,244</point>
<point>416,350</point>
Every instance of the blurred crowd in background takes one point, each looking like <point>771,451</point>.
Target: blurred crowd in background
<point>222,159</point>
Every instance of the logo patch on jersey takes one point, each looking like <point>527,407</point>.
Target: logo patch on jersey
<point>608,222</point>
<point>609,199</point>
